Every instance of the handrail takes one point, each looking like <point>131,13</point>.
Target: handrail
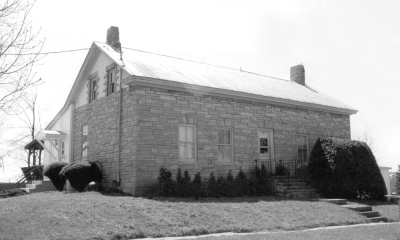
<point>28,173</point>
<point>285,169</point>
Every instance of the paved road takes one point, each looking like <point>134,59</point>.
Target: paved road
<point>384,231</point>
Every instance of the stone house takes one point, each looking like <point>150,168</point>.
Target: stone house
<point>137,111</point>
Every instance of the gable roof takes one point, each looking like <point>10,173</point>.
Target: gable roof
<point>173,71</point>
<point>195,75</point>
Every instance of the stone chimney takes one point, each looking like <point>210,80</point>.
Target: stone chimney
<point>297,74</point>
<point>113,38</point>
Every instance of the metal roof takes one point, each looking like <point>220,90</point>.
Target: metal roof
<point>156,66</point>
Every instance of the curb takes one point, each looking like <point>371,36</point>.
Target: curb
<point>275,232</point>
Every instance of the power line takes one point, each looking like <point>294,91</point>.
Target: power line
<point>66,51</point>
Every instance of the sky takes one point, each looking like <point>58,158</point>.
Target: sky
<point>350,49</point>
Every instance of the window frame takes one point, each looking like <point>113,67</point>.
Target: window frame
<point>302,149</point>
<point>185,142</point>
<point>110,81</point>
<point>84,152</point>
<point>92,90</point>
<point>231,154</point>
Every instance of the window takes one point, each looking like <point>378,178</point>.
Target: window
<point>93,87</point>
<point>225,147</point>
<point>302,148</point>
<point>62,149</point>
<point>187,142</point>
<point>110,81</point>
<point>84,140</point>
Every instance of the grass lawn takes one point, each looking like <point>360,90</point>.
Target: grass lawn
<point>90,215</point>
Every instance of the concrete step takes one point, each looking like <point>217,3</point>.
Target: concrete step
<point>370,214</point>
<point>377,219</point>
<point>37,182</point>
<point>30,186</point>
<point>358,208</point>
<point>335,201</point>
<point>26,189</point>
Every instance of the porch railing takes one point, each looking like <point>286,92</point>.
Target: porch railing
<point>31,173</point>
<point>285,170</point>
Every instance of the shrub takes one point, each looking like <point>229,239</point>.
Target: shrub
<point>230,185</point>
<point>165,183</point>
<point>80,174</point>
<point>345,169</point>
<point>52,171</point>
<point>196,186</point>
<point>212,188</point>
<point>242,184</point>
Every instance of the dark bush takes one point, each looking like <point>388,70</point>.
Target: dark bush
<point>196,186</point>
<point>80,174</point>
<point>242,184</point>
<point>345,169</point>
<point>212,188</point>
<point>258,185</point>
<point>165,183</point>
<point>52,171</point>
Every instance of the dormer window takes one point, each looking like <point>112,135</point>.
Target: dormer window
<point>111,81</point>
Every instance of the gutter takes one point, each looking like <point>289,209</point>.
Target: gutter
<point>154,82</point>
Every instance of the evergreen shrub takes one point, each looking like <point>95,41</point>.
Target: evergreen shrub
<point>80,174</point>
<point>259,184</point>
<point>52,171</point>
<point>345,169</point>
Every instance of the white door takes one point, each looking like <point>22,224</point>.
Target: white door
<point>266,148</point>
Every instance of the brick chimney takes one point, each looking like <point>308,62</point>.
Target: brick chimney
<point>297,74</point>
<point>113,38</point>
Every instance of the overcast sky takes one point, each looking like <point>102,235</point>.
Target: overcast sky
<point>350,49</point>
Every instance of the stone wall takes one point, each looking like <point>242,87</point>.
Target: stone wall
<point>149,140</point>
<point>160,111</point>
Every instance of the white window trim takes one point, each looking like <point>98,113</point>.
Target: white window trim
<point>297,147</point>
<point>87,140</point>
<point>232,145</point>
<point>189,160</point>
<point>111,81</point>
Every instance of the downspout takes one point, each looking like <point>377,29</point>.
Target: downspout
<point>71,131</point>
<point>118,179</point>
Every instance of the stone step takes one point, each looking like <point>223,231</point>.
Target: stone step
<point>26,189</point>
<point>370,214</point>
<point>37,182</point>
<point>292,183</point>
<point>377,219</point>
<point>30,186</point>
<point>358,208</point>
<point>335,201</point>
<point>294,187</point>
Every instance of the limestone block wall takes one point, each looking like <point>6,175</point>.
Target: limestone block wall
<point>149,136</point>
<point>158,113</point>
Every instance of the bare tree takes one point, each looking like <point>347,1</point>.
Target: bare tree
<point>19,48</point>
<point>367,137</point>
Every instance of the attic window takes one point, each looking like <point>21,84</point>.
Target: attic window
<point>111,81</point>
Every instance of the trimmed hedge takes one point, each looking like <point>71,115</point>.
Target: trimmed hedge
<point>259,184</point>
<point>80,174</point>
<point>345,169</point>
<point>52,171</point>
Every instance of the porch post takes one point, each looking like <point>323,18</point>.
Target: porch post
<point>40,156</point>
<point>58,150</point>
<point>29,157</point>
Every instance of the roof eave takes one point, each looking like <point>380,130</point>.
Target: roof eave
<point>154,82</point>
<point>72,93</point>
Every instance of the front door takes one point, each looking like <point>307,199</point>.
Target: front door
<point>266,149</point>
